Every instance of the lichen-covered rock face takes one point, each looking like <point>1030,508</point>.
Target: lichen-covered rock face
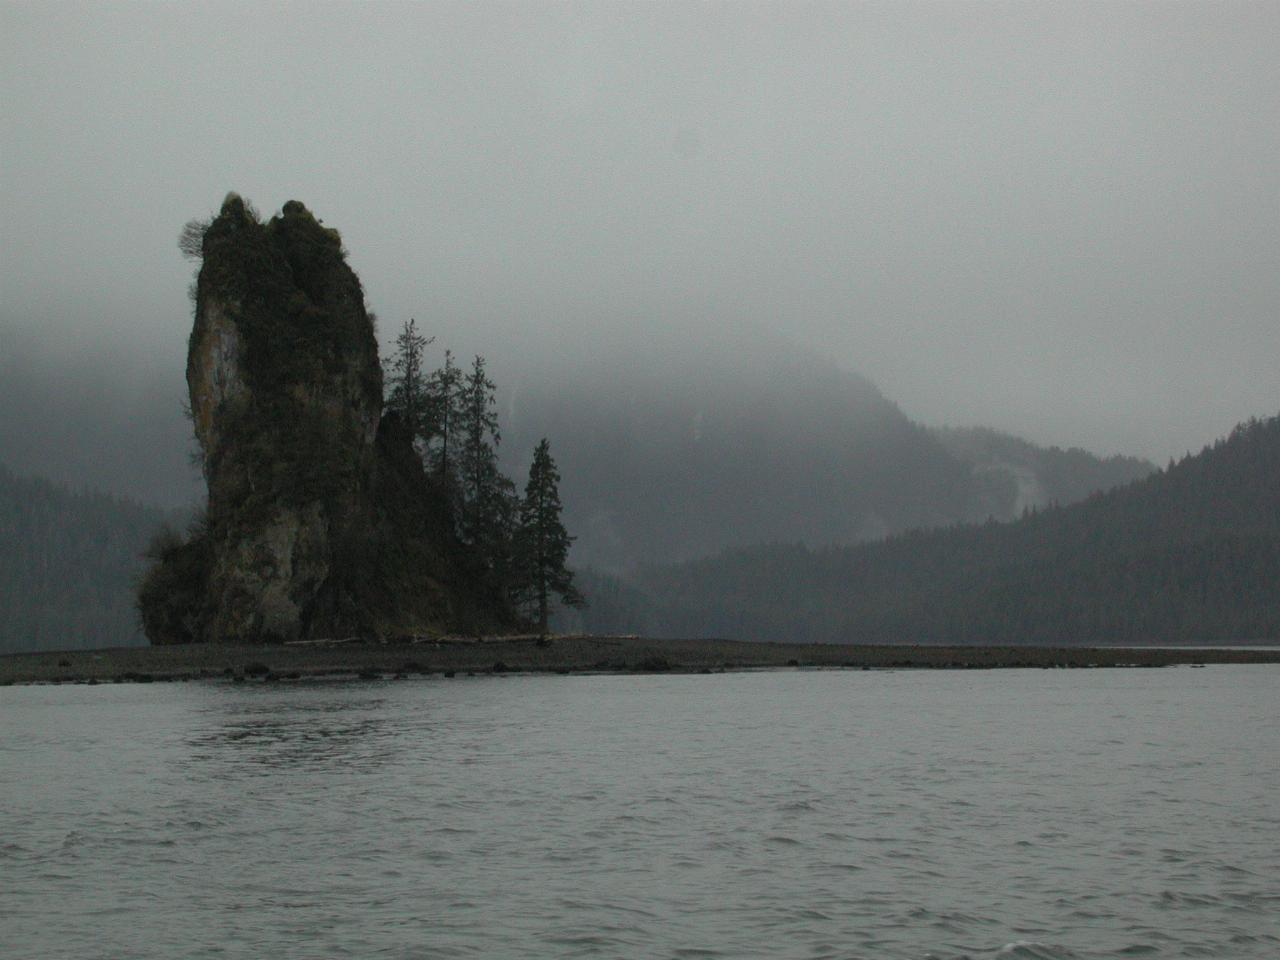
<point>320,520</point>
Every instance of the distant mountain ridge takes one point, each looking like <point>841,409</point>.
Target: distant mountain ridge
<point>1034,476</point>
<point>673,456</point>
<point>1190,554</point>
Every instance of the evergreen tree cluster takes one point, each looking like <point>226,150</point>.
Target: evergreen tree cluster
<point>452,415</point>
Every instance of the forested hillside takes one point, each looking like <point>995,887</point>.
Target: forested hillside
<point>1191,553</point>
<point>67,566</point>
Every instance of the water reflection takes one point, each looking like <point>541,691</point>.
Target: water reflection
<point>305,727</point>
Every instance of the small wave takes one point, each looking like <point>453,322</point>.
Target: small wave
<point>808,913</point>
<point>1171,898</point>
<point>1232,869</point>
<point>797,806</point>
<point>638,818</point>
<point>74,839</point>
<point>577,940</point>
<point>1088,915</point>
<point>955,922</point>
<point>1032,950</point>
<point>1253,900</point>
<point>1240,939</point>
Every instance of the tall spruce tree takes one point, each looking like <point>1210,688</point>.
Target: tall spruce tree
<point>477,435</point>
<point>406,386</point>
<point>444,393</point>
<point>486,495</point>
<point>543,541</point>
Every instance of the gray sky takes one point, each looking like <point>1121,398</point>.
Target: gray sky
<point>1057,219</point>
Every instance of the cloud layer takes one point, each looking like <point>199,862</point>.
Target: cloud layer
<point>1062,220</point>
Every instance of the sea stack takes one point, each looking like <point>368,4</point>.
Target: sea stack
<point>320,520</point>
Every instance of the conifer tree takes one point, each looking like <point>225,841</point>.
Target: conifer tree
<point>486,495</point>
<point>477,433</point>
<point>543,541</point>
<point>443,401</point>
<point>406,386</point>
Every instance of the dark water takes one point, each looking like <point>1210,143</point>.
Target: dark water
<point>1036,814</point>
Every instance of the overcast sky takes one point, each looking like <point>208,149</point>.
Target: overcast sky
<point>1057,219</point>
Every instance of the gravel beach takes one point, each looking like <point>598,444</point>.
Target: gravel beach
<point>461,656</point>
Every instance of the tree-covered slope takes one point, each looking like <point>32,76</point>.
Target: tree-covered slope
<point>68,562</point>
<point>1191,553</point>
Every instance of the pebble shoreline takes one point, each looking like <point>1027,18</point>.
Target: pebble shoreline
<point>575,654</point>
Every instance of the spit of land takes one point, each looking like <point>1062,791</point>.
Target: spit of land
<point>462,656</point>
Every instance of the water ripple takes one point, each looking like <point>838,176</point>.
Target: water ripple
<point>856,815</point>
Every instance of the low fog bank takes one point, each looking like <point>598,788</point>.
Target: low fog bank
<point>732,435</point>
<point>108,419</point>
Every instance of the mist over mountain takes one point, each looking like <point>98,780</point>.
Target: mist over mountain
<point>1024,476</point>
<point>674,453</point>
<point>1191,554</point>
<point>669,449</point>
<point>109,419</point>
